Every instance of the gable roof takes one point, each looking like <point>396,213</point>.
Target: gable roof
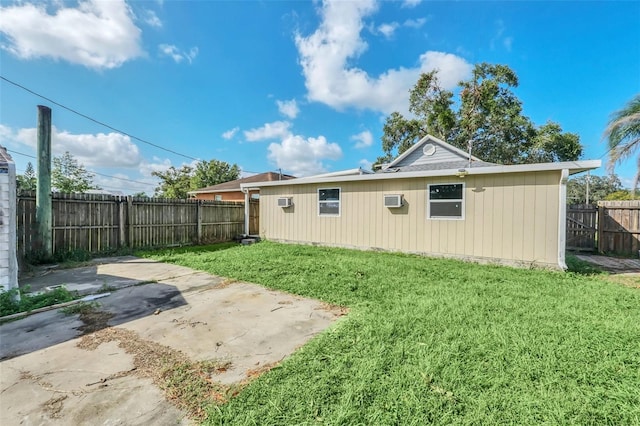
<point>234,185</point>
<point>442,152</point>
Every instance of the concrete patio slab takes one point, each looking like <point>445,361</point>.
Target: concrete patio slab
<point>45,378</point>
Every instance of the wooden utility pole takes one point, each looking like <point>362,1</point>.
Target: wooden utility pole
<point>43,194</point>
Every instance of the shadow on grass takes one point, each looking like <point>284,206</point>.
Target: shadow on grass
<point>582,267</point>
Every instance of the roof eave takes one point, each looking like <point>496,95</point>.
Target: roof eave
<point>572,166</point>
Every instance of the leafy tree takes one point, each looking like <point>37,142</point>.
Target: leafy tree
<point>213,172</point>
<point>140,194</point>
<point>489,116</point>
<point>176,183</point>
<point>28,181</point>
<point>599,188</point>
<point>623,135</point>
<point>622,195</point>
<point>550,144</point>
<point>67,175</point>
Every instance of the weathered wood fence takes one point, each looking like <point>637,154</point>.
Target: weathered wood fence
<point>98,223</point>
<point>611,227</point>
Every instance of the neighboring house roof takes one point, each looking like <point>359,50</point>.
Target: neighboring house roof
<point>104,192</point>
<point>452,162</point>
<point>5,157</point>
<point>234,185</point>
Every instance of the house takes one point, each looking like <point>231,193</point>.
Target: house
<point>8,222</point>
<point>434,200</point>
<point>230,191</point>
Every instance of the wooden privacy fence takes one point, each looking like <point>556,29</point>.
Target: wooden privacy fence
<point>98,223</point>
<point>611,227</point>
<point>581,227</point>
<point>619,227</point>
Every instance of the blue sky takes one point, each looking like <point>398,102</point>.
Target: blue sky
<point>300,86</point>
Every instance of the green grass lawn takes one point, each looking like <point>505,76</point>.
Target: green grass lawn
<point>438,341</point>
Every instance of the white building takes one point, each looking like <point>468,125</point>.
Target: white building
<point>8,260</point>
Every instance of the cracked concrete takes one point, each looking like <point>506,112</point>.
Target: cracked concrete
<point>46,379</point>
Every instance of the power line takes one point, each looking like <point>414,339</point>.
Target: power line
<point>97,121</point>
<point>91,171</point>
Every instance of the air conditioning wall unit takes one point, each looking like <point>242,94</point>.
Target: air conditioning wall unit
<point>393,201</point>
<point>285,202</point>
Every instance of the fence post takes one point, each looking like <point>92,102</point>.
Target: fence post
<point>600,228</point>
<point>199,220</point>
<point>130,220</point>
<point>121,223</point>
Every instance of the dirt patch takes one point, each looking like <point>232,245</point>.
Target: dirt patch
<point>53,407</point>
<point>188,385</point>
<point>337,310</point>
<point>94,320</point>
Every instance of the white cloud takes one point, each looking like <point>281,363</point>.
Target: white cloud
<point>275,130</point>
<point>415,23</point>
<point>230,133</point>
<point>411,3</point>
<point>288,108</point>
<point>365,164</point>
<point>363,139</point>
<point>508,43</point>
<point>151,19</point>
<point>176,54</point>
<point>387,30</point>
<point>499,37</point>
<point>326,53</point>
<point>97,150</point>
<point>303,156</point>
<point>156,165</point>
<point>96,34</point>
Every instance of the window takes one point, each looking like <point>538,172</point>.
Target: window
<point>446,201</point>
<point>329,202</point>
<point>255,196</point>
<point>217,197</point>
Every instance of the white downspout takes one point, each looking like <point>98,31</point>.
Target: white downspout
<point>246,210</point>
<point>562,219</point>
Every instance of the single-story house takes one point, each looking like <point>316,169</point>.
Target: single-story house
<point>434,199</point>
<point>230,191</point>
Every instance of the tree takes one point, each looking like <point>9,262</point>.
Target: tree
<point>176,183</point>
<point>550,144</point>
<point>67,175</point>
<point>28,181</point>
<point>489,117</point>
<point>623,135</point>
<point>213,172</point>
<point>622,195</point>
<point>599,188</point>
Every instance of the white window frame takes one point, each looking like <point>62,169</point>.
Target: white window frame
<point>330,201</point>
<point>429,201</point>
<point>217,197</point>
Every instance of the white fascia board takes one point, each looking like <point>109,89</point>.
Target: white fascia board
<point>572,166</point>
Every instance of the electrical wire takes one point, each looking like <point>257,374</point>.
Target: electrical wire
<point>91,171</point>
<point>97,121</point>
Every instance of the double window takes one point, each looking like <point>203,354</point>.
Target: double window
<point>329,202</point>
<point>446,201</point>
